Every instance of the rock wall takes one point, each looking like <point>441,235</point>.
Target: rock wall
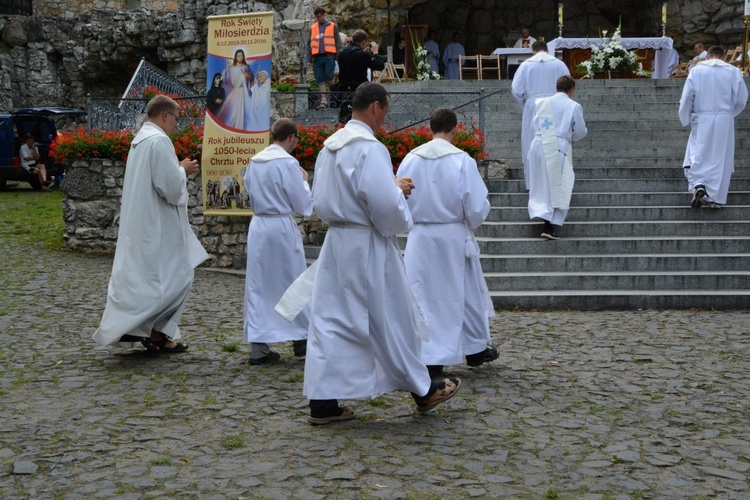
<point>93,189</point>
<point>91,211</point>
<point>71,48</point>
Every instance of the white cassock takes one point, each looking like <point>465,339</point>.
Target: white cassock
<point>433,53</point>
<point>714,93</point>
<point>275,256</point>
<point>558,121</point>
<point>260,110</point>
<point>442,256</point>
<point>157,251</point>
<point>450,60</point>
<point>365,324</point>
<point>536,77</point>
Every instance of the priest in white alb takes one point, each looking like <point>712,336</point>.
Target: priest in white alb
<point>277,188</point>
<point>442,255</point>
<point>365,324</point>
<point>535,78</point>
<point>558,122</point>
<point>156,251</point>
<point>450,58</point>
<point>714,93</point>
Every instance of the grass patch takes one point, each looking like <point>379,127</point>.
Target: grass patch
<point>233,442</point>
<point>33,218</point>
<point>230,347</point>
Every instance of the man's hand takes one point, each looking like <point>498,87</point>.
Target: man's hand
<point>305,175</point>
<point>405,185</point>
<point>374,47</point>
<point>189,166</point>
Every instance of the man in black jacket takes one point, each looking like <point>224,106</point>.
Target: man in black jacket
<point>355,59</point>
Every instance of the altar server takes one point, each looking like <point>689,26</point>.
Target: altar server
<point>365,324</point>
<point>450,58</point>
<point>535,78</point>
<point>714,93</point>
<point>156,251</point>
<point>277,187</point>
<point>558,121</point>
<point>442,255</point>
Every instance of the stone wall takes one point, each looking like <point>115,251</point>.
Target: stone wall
<point>72,48</point>
<point>73,8</point>
<point>93,189</point>
<point>91,208</point>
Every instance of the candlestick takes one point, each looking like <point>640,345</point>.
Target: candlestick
<point>560,12</point>
<point>664,13</point>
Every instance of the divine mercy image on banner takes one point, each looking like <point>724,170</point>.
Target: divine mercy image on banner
<point>238,107</point>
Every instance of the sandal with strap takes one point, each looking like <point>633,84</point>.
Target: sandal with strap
<point>178,347</point>
<point>440,392</point>
<point>346,414</point>
<point>150,345</point>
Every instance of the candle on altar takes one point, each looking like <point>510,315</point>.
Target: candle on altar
<point>664,13</point>
<point>560,13</point>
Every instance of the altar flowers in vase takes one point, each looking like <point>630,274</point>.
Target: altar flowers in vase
<point>612,57</point>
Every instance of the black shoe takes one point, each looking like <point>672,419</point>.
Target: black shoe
<point>300,348</point>
<point>435,371</point>
<point>480,358</point>
<point>549,231</point>
<point>271,357</point>
<point>700,192</point>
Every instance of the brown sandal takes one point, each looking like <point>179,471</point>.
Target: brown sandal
<point>440,392</point>
<point>346,414</point>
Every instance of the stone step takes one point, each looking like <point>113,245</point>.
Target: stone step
<point>604,199</point>
<point>615,263</point>
<point>627,280</point>
<point>606,244</point>
<point>621,229</point>
<point>621,299</point>
<point>607,185</point>
<point>627,172</point>
<point>628,213</point>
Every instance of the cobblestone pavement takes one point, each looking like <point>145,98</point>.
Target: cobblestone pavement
<point>637,404</point>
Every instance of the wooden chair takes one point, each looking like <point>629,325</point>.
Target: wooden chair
<point>682,70</point>
<point>490,66</point>
<point>732,54</point>
<point>472,69</point>
<point>389,73</point>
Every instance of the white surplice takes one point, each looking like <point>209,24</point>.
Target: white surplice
<point>433,54</point>
<point>275,256</point>
<point>157,250</point>
<point>450,60</point>
<point>714,93</point>
<point>551,180</point>
<point>364,320</point>
<point>536,77</point>
<point>442,256</point>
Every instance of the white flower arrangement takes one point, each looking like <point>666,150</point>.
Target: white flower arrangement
<point>422,62</point>
<point>612,56</point>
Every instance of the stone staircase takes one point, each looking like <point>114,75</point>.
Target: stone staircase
<point>631,241</point>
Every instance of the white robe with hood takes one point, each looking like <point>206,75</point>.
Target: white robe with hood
<point>157,250</point>
<point>536,77</point>
<point>364,337</point>
<point>275,256</point>
<point>449,201</point>
<point>551,182</point>
<point>714,93</point>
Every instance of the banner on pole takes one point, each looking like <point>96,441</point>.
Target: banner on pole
<point>238,107</point>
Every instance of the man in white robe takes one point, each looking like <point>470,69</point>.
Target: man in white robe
<point>536,77</point>
<point>433,52</point>
<point>714,93</point>
<point>365,324</point>
<point>277,188</point>
<point>450,57</point>
<point>442,255</point>
<point>558,122</point>
<point>157,250</point>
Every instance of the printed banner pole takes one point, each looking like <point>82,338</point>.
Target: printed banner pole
<point>238,107</point>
